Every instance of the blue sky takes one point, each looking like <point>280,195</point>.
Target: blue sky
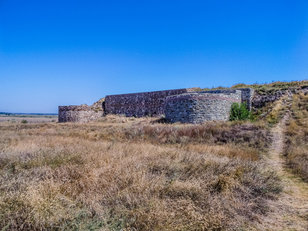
<point>72,52</point>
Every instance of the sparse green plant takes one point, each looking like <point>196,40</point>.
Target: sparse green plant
<point>239,111</point>
<point>24,121</point>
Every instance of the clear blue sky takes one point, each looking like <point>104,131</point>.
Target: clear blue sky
<point>72,52</point>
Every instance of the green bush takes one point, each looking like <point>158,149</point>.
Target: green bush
<point>239,111</point>
<point>24,121</point>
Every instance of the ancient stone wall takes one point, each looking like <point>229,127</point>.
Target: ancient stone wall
<point>80,114</point>
<point>153,104</point>
<point>200,106</point>
<point>260,100</point>
<point>246,95</point>
<point>139,104</point>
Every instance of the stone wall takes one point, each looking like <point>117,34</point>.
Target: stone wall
<point>200,106</point>
<point>140,104</point>
<point>260,100</point>
<point>247,95</point>
<point>153,104</point>
<point>82,114</point>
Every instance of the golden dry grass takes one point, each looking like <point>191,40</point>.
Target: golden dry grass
<point>274,86</point>
<point>297,136</point>
<point>134,174</point>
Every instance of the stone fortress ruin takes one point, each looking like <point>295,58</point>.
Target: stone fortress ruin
<point>82,113</point>
<point>180,105</point>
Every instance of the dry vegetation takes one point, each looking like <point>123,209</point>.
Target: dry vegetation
<point>276,110</point>
<point>14,118</point>
<point>265,88</point>
<point>275,86</point>
<point>297,136</point>
<point>139,174</point>
<point>134,174</point>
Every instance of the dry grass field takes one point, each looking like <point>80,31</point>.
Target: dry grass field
<point>297,137</point>
<point>123,173</point>
<point>134,174</point>
<point>14,118</point>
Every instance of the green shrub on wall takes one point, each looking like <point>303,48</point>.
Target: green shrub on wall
<point>239,111</point>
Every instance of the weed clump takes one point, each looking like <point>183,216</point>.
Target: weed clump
<point>239,111</point>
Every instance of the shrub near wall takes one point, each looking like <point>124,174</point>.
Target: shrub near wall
<point>239,112</point>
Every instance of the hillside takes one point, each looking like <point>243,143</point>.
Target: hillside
<point>123,173</point>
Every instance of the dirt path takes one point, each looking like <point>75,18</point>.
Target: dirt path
<point>290,211</point>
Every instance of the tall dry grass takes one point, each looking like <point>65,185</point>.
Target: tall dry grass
<point>136,175</point>
<point>297,136</point>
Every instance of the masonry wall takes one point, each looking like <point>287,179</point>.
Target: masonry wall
<point>80,114</point>
<point>153,104</point>
<point>260,100</point>
<point>200,107</point>
<point>140,104</point>
<point>247,95</point>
